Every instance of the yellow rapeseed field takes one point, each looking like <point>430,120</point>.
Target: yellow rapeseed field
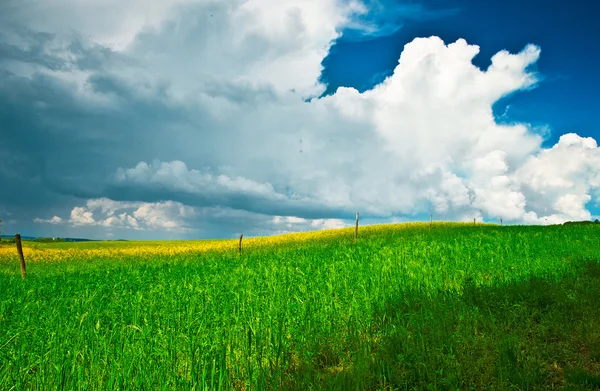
<point>63,252</point>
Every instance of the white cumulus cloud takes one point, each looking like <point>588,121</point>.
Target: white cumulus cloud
<point>104,212</point>
<point>53,220</point>
<point>424,140</point>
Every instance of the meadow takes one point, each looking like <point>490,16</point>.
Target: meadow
<point>406,307</point>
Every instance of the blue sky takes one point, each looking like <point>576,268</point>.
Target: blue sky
<point>567,31</point>
<point>203,118</point>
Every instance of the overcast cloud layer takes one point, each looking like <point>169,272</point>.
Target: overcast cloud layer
<point>199,118</point>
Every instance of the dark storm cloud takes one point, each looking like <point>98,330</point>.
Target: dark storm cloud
<point>56,144</point>
<point>308,209</point>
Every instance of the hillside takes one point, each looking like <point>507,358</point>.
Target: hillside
<point>456,306</point>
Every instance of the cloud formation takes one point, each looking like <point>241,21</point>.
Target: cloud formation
<point>171,217</point>
<point>197,107</point>
<point>134,215</point>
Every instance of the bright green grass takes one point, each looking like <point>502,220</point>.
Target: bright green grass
<point>463,307</point>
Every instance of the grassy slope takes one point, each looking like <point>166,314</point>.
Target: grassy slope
<point>457,307</point>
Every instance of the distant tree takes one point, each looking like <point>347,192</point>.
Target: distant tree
<point>596,221</point>
<point>584,222</point>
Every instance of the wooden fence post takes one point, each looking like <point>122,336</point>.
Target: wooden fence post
<point>21,257</point>
<point>356,228</point>
<point>240,245</point>
<point>501,222</point>
<point>474,223</point>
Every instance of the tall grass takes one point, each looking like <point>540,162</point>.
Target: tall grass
<point>454,307</point>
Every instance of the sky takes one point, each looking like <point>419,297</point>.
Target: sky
<point>192,119</point>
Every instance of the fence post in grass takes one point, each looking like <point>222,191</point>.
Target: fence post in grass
<point>21,257</point>
<point>501,222</point>
<point>474,222</point>
<point>240,245</point>
<point>356,228</point>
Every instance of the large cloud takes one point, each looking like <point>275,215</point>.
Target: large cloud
<point>203,104</point>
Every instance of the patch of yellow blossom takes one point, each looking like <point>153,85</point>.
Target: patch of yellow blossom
<point>62,252</point>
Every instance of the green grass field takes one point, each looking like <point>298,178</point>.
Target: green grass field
<point>405,308</point>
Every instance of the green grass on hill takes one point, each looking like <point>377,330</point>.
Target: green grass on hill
<point>456,307</point>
